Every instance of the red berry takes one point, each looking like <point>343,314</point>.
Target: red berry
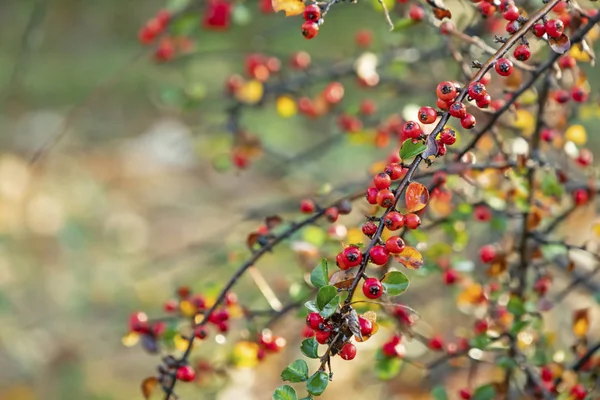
<point>446,91</point>
<point>581,196</point>
<point>579,94</point>
<point>412,221</point>
<point>368,107</point>
<point>150,31</point>
<point>186,374</point>
<point>332,214</point>
<point>138,322</point>
<point>372,288</point>
<point>482,213</point>
<point>547,134</point>
<point>371,196</point>
<point>366,326</point>
<point>441,148</point>
<point>379,255</point>
<point>579,392</point>
<point>448,136</point>
<point>217,14</point>
<point>165,50</point>
<point>436,343</point>
<point>363,38</point>
<point>427,115</point>
<point>477,90</point>
<point>171,305</point>
<point>484,102</point>
<point>446,27</point>
<point>312,12</point>
<point>468,121</point>
<point>585,157</point>
<point>416,13</point>
<point>352,256</point>
<point>323,336</point>
<point>314,320</point>
<point>542,285</point>
<point>348,351</point>
<point>458,110</point>
<point>412,130</point>
<point>561,96</point>
<point>231,299</point>
<point>382,181</point>
<point>512,27</point>
<point>487,253</point>
<point>511,13</point>
<point>389,349</point>
<point>442,105</point>
<point>546,374</point>
<point>486,9</point>
<point>307,206</point>
<point>395,171</point>
<point>504,67</point>
<point>340,261</point>
<point>308,332</point>
<point>481,326</point>
<point>450,276</point>
<point>369,228</point>
<point>522,52</point>
<point>200,332</point>
<point>539,30</point>
<point>310,29</point>
<point>395,244</point>
<point>300,60</point>
<point>554,27</point>
<point>465,394</point>
<point>393,220</point>
<point>334,92</point>
<point>567,62</point>
<point>385,198</point>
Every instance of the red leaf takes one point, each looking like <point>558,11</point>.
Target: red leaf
<point>416,197</point>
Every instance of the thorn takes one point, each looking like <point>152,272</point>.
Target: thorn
<point>499,39</point>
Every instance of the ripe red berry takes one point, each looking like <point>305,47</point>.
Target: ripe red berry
<point>458,110</point>
<point>481,326</point>
<point>561,96</point>
<point>442,105</point>
<point>171,305</point>
<point>372,288</point>
<point>308,332</point>
<point>450,276</point>
<point>512,27</point>
<point>314,320</point>
<point>477,90</point>
<point>379,255</point>
<point>334,92</point>
<point>185,374</point>
<point>369,228</point>
<point>363,38</point>
<point>412,130</point>
<point>382,181</point>
<point>307,206</point>
<point>579,392</point>
<point>371,196</point>
<point>427,115</point>
<point>504,67</point>
<point>468,121</point>
<point>547,134</point>
<point>448,136</point>
<point>465,394</point>
<point>446,91</point>
<point>511,13</point>
<point>368,107</point>
<point>310,29</point>
<point>446,27</point>
<point>200,332</point>
<point>436,343</point>
<point>165,50</point>
<point>395,245</point>
<point>348,351</point>
<point>542,285</point>
<point>416,13</point>
<point>579,94</point>
<point>522,52</point>
<point>300,60</point>
<point>441,148</point>
<point>352,256</point>
<point>581,196</point>
<point>332,214</point>
<point>554,27</point>
<point>393,220</point>
<point>322,336</point>
<point>482,213</point>
<point>150,31</point>
<point>486,9</point>
<point>138,322</point>
<point>539,30</point>
<point>385,198</point>
<point>484,102</point>
<point>395,171</point>
<point>312,12</point>
<point>546,374</point>
<point>585,157</point>
<point>412,221</point>
<point>340,261</point>
<point>366,326</point>
<point>567,62</point>
<point>487,253</point>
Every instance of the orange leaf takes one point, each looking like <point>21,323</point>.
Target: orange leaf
<point>410,258</point>
<point>581,322</point>
<point>148,386</point>
<point>416,197</point>
<point>291,7</point>
<point>342,279</point>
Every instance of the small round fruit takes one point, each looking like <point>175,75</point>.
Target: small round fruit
<point>348,351</point>
<point>323,336</point>
<point>352,256</point>
<point>484,102</point>
<point>314,320</point>
<point>504,67</point>
<point>371,195</point>
<point>450,276</point>
<point>512,27</point>
<point>366,326</point>
<point>446,91</point>
<point>482,213</point>
<point>385,198</point>
<point>539,30</point>
<point>511,13</point>
<point>185,374</point>
<point>487,253</point>
<point>395,171</point>
<point>477,90</point>
<point>457,110</point>
<point>546,374</point>
<point>441,148</point>
<point>372,288</point>
<point>369,228</point>
<point>412,221</point>
<point>307,206</point>
<point>436,343</point>
<point>332,214</point>
<point>416,13</point>
<point>465,394</point>
<point>554,28</point>
<point>312,12</point>
<point>382,181</point>
<point>310,29</point>
<point>379,255</point>
<point>468,121</point>
<point>395,245</point>
<point>393,220</point>
<point>448,136</point>
<point>581,196</point>
<point>340,261</point>
<point>427,115</point>
<point>522,52</point>
<point>412,130</point>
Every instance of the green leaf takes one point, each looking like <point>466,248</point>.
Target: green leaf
<point>518,326</point>
<point>309,347</point>
<point>439,393</point>
<point>387,367</point>
<point>319,277</point>
<point>551,251</point>
<point>395,283</point>
<point>317,383</point>
<point>410,149</point>
<point>312,306</point>
<point>327,301</point>
<point>515,306</point>
<point>285,392</point>
<point>485,392</point>
<point>506,362</point>
<point>480,341</point>
<point>403,24</point>
<point>295,372</point>
<point>551,186</point>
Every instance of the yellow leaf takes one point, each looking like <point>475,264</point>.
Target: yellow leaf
<point>410,258</point>
<point>524,121</point>
<point>576,134</point>
<point>377,167</point>
<point>187,308</point>
<point>131,339</point>
<point>472,294</point>
<point>181,343</point>
<point>250,92</point>
<point>245,354</point>
<point>291,7</point>
<point>148,386</point>
<point>581,322</point>
<point>596,229</point>
<point>578,54</point>
<point>354,235</point>
<point>286,106</point>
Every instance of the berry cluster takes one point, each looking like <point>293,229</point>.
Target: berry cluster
<point>312,21</point>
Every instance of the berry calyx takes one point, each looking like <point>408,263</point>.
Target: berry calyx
<point>393,220</point>
<point>185,374</point>
<point>372,288</point>
<point>314,320</point>
<point>395,245</point>
<point>504,67</point>
<point>312,12</point>
<point>352,256</point>
<point>446,91</point>
<point>487,253</point>
<point>379,255</point>
<point>427,115</point>
<point>310,29</point>
<point>348,351</point>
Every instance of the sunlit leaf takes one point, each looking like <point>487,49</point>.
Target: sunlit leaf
<point>285,392</point>
<point>245,354</point>
<point>319,276</point>
<point>411,258</point>
<point>295,372</point>
<point>416,197</point>
<point>410,149</point>
<point>395,283</point>
<point>581,322</point>
<point>582,52</point>
<point>327,301</point>
<point>317,383</point>
<point>148,386</point>
<point>180,342</point>
<point>560,44</point>
<point>290,7</point>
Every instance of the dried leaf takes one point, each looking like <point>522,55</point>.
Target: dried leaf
<point>416,197</point>
<point>272,221</point>
<point>581,322</point>
<point>353,324</point>
<point>410,258</point>
<point>148,386</point>
<point>342,279</point>
<point>498,267</point>
<point>440,11</point>
<point>252,239</point>
<point>534,218</point>
<point>291,7</point>
<point>560,44</point>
